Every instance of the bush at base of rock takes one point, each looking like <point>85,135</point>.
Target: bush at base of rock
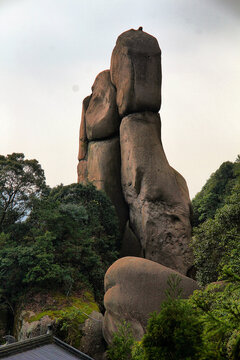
<point>204,327</point>
<point>135,288</point>
<point>75,319</point>
<point>123,342</point>
<point>69,239</point>
<point>174,333</point>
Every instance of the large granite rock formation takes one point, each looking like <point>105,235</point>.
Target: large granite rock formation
<point>121,152</point>
<point>135,288</point>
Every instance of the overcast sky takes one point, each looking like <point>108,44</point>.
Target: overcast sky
<point>52,50</point>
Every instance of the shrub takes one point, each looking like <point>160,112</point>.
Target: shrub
<point>219,310</point>
<point>174,333</point>
<point>216,241</point>
<point>68,240</point>
<point>122,344</point>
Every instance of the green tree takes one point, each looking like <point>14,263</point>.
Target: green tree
<point>204,327</point>
<point>67,241</point>
<point>218,309</point>
<point>215,191</point>
<point>216,242</point>
<point>21,181</point>
<point>174,333</point>
<point>122,344</point>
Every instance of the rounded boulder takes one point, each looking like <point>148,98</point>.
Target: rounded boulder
<point>102,118</point>
<point>135,288</point>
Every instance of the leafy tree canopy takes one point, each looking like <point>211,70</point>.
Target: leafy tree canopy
<point>215,191</point>
<point>68,241</point>
<point>216,241</point>
<point>21,181</point>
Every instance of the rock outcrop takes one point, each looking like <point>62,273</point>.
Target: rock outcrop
<point>72,317</point>
<point>121,152</point>
<point>134,288</point>
<point>92,341</point>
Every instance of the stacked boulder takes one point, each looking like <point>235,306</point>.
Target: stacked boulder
<point>99,145</point>
<point>121,153</point>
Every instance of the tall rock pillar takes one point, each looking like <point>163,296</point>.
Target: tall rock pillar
<point>121,152</point>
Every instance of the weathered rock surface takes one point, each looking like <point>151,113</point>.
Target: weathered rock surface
<point>26,328</point>
<point>102,118</point>
<point>136,72</point>
<point>103,169</point>
<point>134,288</point>
<point>131,245</point>
<point>103,162</point>
<point>104,172</point>
<point>157,195</point>
<point>54,308</point>
<point>82,172</point>
<point>92,341</point>
<point>83,141</point>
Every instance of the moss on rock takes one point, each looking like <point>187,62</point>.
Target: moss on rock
<point>66,313</point>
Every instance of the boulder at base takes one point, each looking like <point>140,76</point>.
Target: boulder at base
<point>134,288</point>
<point>136,72</point>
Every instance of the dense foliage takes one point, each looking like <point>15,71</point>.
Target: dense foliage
<point>204,327</point>
<point>174,333</point>
<point>218,308</point>
<point>122,344</point>
<point>21,181</point>
<point>67,240</point>
<point>216,241</point>
<point>214,193</point>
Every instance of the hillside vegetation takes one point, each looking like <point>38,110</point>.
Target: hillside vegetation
<point>62,239</point>
<point>216,240</point>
